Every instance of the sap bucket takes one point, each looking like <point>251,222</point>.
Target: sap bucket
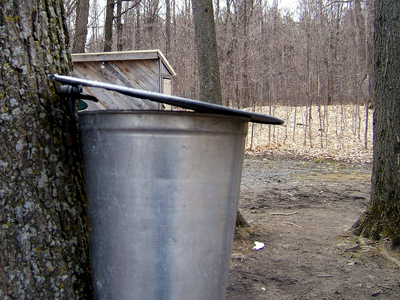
<point>162,192</point>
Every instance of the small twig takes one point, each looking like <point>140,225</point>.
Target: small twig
<point>284,214</point>
<point>385,287</point>
<point>290,223</point>
<point>352,248</point>
<point>324,276</point>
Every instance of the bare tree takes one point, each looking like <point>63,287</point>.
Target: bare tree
<point>267,56</point>
<point>168,27</point>
<point>119,26</point>
<point>207,52</point>
<point>81,21</point>
<point>108,26</point>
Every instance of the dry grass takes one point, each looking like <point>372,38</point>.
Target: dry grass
<point>333,132</point>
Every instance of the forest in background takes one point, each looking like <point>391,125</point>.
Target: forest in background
<point>314,57</point>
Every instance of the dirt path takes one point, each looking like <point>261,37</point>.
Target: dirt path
<point>300,210</point>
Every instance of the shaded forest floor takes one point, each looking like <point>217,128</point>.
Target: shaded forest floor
<point>302,209</point>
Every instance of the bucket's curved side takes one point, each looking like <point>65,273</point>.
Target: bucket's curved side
<point>162,195</point>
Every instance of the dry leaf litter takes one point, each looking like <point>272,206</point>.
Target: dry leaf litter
<point>338,132</point>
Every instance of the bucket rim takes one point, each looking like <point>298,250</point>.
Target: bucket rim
<point>162,112</point>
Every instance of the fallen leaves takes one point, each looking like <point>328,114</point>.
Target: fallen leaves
<point>337,132</point>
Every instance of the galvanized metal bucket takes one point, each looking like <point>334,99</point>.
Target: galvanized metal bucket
<point>162,190</point>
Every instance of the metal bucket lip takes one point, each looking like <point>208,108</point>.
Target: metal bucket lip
<point>163,112</point>
<point>166,121</point>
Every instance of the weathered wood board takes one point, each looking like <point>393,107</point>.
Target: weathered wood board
<point>147,70</point>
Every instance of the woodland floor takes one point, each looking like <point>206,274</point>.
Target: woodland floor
<point>302,209</point>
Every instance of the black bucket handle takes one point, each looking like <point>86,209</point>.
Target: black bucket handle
<point>195,105</point>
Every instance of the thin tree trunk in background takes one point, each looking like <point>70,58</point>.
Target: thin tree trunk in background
<point>168,27</point>
<point>359,25</point>
<point>108,26</point>
<point>306,126</point>
<point>119,25</point>
<point>369,54</point>
<point>217,12</point>
<point>294,123</point>
<point>366,127</point>
<point>138,34</point>
<point>252,128</point>
<point>310,126</point>
<point>326,127</point>
<point>81,21</point>
<point>244,23</point>
<point>321,126</point>
<point>207,52</point>
<point>44,235</point>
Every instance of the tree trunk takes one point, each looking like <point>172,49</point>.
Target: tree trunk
<point>382,217</point>
<point>82,13</point>
<point>168,37</point>
<point>43,236</point>
<point>119,26</point>
<point>108,26</point>
<point>244,22</point>
<point>207,52</point>
<point>207,57</point>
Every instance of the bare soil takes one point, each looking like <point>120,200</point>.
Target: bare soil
<point>302,210</point>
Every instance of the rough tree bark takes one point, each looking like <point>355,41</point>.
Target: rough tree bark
<point>382,218</point>
<point>207,52</point>
<point>81,21</point>
<point>43,236</point>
